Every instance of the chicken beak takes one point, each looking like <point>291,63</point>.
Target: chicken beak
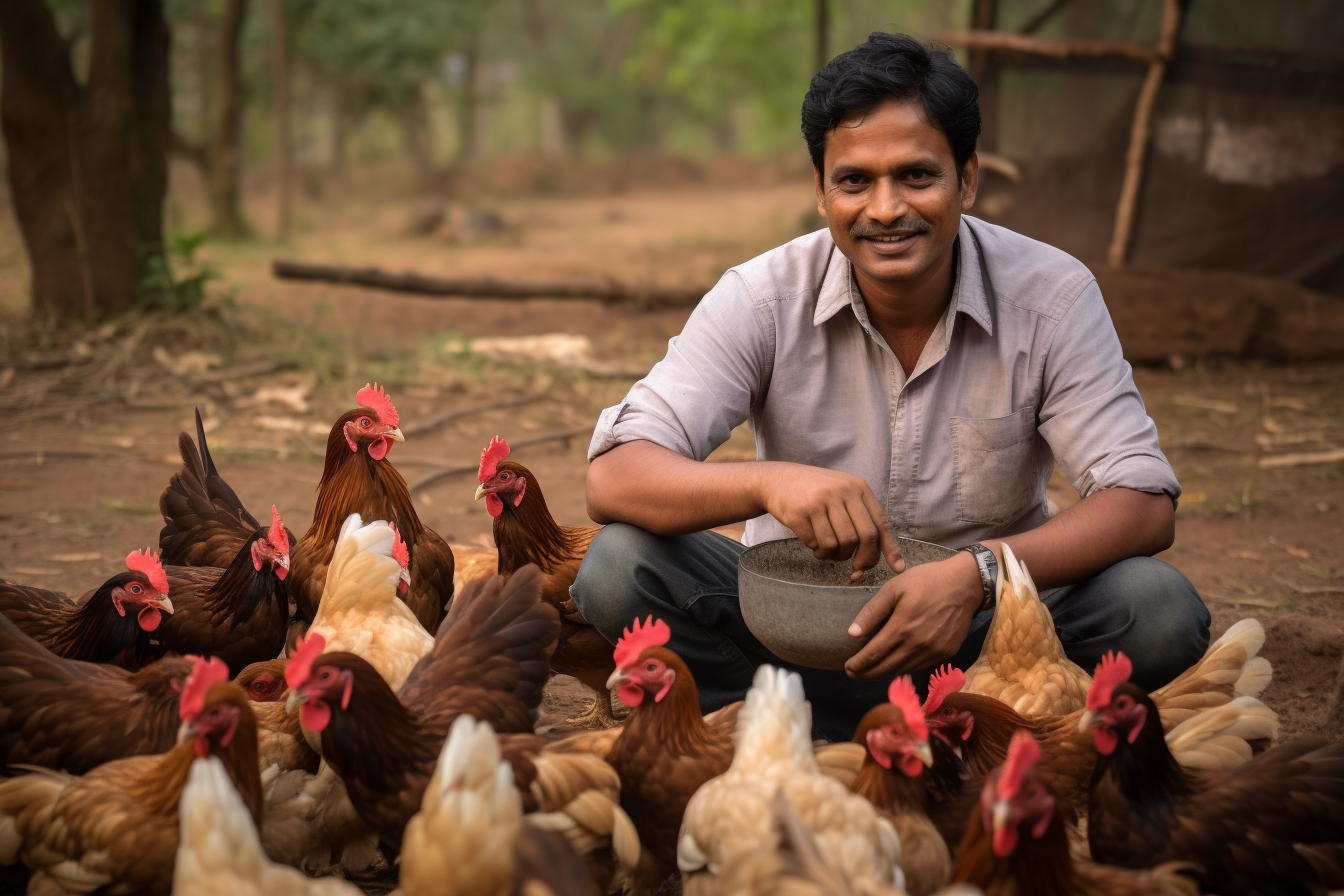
<point>164,604</point>
<point>395,434</point>
<point>1003,814</point>
<point>185,732</point>
<point>1087,720</point>
<point>924,753</point>
<point>293,701</point>
<point>480,491</point>
<point>616,679</point>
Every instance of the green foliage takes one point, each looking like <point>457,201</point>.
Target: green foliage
<point>175,280</point>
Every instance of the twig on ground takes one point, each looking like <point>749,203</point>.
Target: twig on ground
<point>448,416</point>
<point>1302,459</point>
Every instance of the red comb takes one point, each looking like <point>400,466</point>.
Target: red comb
<point>653,633</point>
<point>400,552</point>
<point>300,666</point>
<point>902,695</point>
<point>496,451</point>
<point>1113,669</point>
<point>205,674</point>
<point>277,535</point>
<point>148,563</point>
<point>373,396</point>
<point>945,681</point>
<point>1022,755</point>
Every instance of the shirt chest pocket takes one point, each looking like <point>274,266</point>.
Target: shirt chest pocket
<point>993,457</point>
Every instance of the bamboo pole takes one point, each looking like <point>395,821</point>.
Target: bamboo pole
<point>1139,133</point>
<point>1044,46</point>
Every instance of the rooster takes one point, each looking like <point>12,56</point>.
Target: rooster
<point>239,613</point>
<point>204,522</point>
<point>116,828</point>
<point>525,532</point>
<point>1210,713</point>
<point>731,815</point>
<point>471,836</point>
<point>1022,662</point>
<point>489,661</point>
<point>219,852</point>
<point>1272,825</point>
<point>358,478</point>
<point>1017,842</point>
<point>897,741</point>
<point>99,631</point>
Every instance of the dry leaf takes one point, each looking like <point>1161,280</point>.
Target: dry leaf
<point>74,558</point>
<point>1205,404</point>
<point>1299,553</point>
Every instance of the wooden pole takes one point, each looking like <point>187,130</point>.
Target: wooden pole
<point>1044,46</point>
<point>280,115</point>
<point>1139,133</point>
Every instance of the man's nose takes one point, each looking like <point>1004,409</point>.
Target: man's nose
<point>887,202</point>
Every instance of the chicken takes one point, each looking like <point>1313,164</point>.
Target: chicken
<point>360,613</point>
<point>731,814</point>
<point>116,828</point>
<point>489,661</point>
<point>472,562</point>
<point>264,682</point>
<point>1022,662</point>
<point>1017,842</point>
<point>1210,713</point>
<point>358,479</point>
<point>204,522</point>
<point>72,715</point>
<point>99,631</point>
<point>525,532</point>
<point>219,852</point>
<point>239,613</point>
<point>897,741</point>
<point>470,835</point>
<point>1272,825</point>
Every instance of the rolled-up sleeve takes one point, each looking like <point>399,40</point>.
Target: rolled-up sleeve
<point>1091,413</point>
<point>712,376</point>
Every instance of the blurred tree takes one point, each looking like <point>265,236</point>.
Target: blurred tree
<point>87,161</point>
<point>280,114</point>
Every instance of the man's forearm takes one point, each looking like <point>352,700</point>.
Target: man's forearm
<point>1097,532</point>
<point>663,492</point>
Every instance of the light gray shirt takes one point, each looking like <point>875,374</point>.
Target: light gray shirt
<point>1024,370</point>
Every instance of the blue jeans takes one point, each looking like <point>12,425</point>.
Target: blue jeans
<point>1141,606</point>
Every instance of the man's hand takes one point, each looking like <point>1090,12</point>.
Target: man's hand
<point>921,618</point>
<point>835,514</point>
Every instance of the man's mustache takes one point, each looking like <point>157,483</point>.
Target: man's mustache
<point>900,227</point>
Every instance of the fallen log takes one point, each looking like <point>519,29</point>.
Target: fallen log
<point>485,288</point>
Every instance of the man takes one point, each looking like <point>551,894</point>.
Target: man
<point>907,369</point>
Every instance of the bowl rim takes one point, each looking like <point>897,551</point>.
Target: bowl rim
<point>744,568</point>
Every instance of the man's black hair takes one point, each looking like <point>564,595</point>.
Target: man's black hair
<point>893,66</point>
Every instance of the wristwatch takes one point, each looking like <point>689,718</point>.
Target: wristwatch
<point>988,565</point>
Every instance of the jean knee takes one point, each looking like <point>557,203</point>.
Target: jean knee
<point>1169,618</point>
<point>605,588</point>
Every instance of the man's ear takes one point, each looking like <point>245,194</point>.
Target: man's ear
<point>970,181</point>
<point>821,194</point>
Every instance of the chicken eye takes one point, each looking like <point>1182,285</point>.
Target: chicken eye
<point>651,667</point>
<point>505,476</point>
<point>365,422</point>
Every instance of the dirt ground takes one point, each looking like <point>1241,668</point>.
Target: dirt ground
<point>92,417</point>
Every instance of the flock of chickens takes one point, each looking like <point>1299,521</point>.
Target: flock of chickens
<point>233,715</point>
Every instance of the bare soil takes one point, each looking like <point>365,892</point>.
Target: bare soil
<point>89,445</point>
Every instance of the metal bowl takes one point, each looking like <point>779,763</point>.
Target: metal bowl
<point>801,608</point>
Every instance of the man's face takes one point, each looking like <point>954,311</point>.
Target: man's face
<point>890,192</point>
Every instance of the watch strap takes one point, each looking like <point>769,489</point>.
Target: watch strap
<point>988,565</point>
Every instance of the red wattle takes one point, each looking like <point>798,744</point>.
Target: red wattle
<point>379,447</point>
<point>1106,740</point>
<point>911,766</point>
<point>1005,841</point>
<point>281,572</point>
<point>149,618</point>
<point>315,716</point>
<point>630,694</point>
<point>201,746</point>
<point>493,505</point>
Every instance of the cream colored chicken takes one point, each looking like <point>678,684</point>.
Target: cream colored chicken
<point>360,612</point>
<point>219,852</point>
<point>732,815</point>
<point>1022,662</point>
<point>471,562</point>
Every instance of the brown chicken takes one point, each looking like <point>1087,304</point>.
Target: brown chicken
<point>1273,825</point>
<point>264,682</point>
<point>490,661</point>
<point>204,522</point>
<point>358,478</point>
<point>239,613</point>
<point>116,828</point>
<point>897,741</point>
<point>525,532</point>
<point>1017,842</point>
<point>100,630</point>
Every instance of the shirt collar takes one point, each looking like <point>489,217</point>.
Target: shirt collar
<point>838,289</point>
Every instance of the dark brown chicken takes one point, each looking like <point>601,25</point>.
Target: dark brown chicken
<point>1017,842</point>
<point>204,522</point>
<point>525,532</point>
<point>1274,825</point>
<point>358,478</point>
<point>490,661</point>
<point>115,625</point>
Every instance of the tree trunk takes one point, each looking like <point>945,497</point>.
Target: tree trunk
<point>466,99</point>
<point>280,114</point>
<point>226,136</point>
<point>821,33</point>
<point>87,166</point>
<point>985,69</point>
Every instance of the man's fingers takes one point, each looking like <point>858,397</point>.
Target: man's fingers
<point>869,542</point>
<point>803,529</point>
<point>883,643</point>
<point>846,539</point>
<point>891,545</point>
<point>874,613</point>
<point>825,535</point>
